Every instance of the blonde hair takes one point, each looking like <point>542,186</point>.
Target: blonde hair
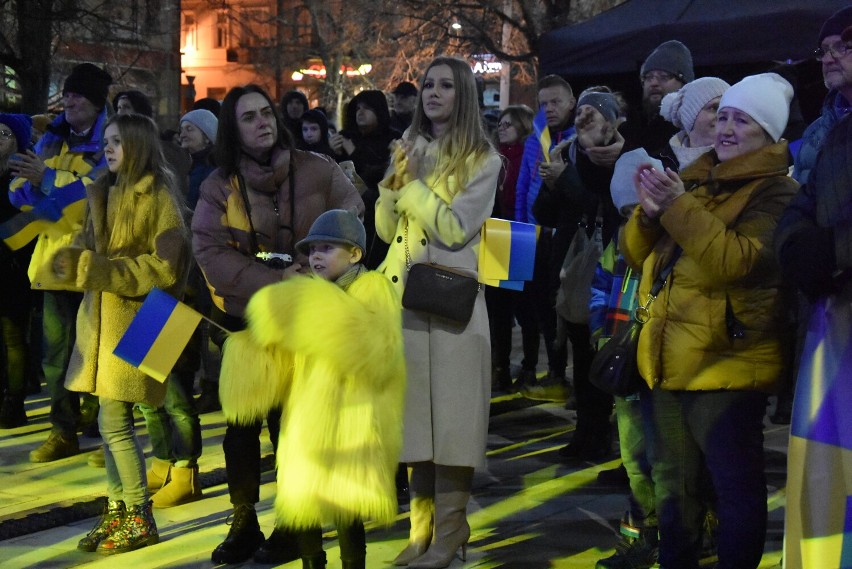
<point>465,138</point>
<point>142,155</point>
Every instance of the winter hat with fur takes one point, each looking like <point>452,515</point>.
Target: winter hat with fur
<point>335,226</point>
<point>681,108</point>
<point>672,57</point>
<point>765,98</point>
<point>21,127</point>
<point>204,120</point>
<point>89,81</point>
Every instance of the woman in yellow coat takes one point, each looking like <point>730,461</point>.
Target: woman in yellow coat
<point>438,192</point>
<point>718,336</point>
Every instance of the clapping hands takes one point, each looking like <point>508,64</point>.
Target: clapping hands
<point>657,190</point>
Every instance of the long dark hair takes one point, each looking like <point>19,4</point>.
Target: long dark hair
<point>227,151</point>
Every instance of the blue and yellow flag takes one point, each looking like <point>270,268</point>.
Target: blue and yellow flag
<point>507,253</point>
<point>542,133</point>
<point>158,334</point>
<point>818,520</point>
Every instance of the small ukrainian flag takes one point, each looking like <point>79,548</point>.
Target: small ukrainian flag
<point>158,334</point>
<point>507,253</point>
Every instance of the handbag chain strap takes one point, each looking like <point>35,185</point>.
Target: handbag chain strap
<point>642,313</point>
<point>407,251</point>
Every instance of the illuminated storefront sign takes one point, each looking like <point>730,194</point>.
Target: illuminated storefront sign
<point>317,71</point>
<point>485,64</point>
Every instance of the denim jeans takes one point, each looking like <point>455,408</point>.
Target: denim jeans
<point>634,440</point>
<point>174,428</point>
<point>125,461</point>
<point>59,325</point>
<point>725,430</point>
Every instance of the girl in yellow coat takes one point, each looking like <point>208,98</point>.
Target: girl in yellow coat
<point>328,350</point>
<point>134,239</point>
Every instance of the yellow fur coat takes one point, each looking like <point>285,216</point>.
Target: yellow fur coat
<point>333,360</point>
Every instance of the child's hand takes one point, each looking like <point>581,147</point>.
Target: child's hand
<point>293,270</point>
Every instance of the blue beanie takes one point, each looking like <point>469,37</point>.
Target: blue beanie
<point>204,120</point>
<point>21,126</point>
<point>335,226</point>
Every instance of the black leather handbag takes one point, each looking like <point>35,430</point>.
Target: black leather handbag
<point>614,368</point>
<point>440,291</point>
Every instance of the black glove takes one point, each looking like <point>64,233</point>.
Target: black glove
<point>808,261</point>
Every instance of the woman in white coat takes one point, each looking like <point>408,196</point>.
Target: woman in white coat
<point>438,192</point>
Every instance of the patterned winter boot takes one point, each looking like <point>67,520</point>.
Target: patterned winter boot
<point>109,522</point>
<point>137,530</point>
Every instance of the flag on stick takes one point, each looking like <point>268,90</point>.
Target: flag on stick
<point>158,334</point>
<point>542,133</point>
<point>507,253</point>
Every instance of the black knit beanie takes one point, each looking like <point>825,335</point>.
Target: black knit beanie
<point>89,81</point>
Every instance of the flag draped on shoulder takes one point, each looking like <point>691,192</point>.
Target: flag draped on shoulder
<point>818,519</point>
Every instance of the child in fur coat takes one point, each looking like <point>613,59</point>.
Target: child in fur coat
<point>329,350</point>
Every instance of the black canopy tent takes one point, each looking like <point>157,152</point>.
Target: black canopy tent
<point>728,39</point>
<point>717,33</point>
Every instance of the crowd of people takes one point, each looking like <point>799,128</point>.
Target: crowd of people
<point>296,240</point>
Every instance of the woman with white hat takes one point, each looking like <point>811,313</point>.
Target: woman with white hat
<point>717,337</point>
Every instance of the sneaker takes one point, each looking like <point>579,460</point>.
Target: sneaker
<point>549,389</point>
<point>55,447</point>
<point>636,550</point>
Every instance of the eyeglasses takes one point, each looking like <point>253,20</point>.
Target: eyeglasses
<point>837,51</point>
<point>505,124</point>
<point>6,134</point>
<point>659,76</point>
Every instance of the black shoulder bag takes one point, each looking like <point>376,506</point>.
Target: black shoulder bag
<point>614,368</point>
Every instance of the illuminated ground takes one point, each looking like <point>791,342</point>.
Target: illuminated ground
<point>529,510</point>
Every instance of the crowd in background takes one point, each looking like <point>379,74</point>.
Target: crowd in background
<point>723,220</point>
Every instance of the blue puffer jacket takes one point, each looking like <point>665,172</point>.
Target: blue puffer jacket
<point>835,108</point>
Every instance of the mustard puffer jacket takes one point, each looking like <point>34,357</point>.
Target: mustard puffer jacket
<point>723,319</point>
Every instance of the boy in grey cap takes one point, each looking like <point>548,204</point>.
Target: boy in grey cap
<point>342,385</point>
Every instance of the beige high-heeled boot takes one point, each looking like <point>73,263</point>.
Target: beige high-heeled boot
<point>421,487</point>
<point>452,493</point>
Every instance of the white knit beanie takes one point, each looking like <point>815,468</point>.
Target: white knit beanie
<point>765,98</point>
<point>681,108</point>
